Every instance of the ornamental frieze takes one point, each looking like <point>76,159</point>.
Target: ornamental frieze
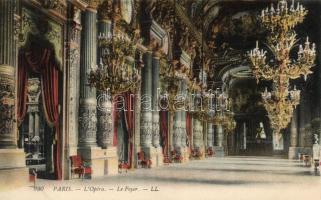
<point>87,122</point>
<point>105,128</point>
<point>146,130</point>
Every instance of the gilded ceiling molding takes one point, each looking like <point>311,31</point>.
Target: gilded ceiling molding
<point>57,8</point>
<point>93,4</point>
<point>163,13</point>
<point>171,16</point>
<point>159,42</point>
<point>81,4</point>
<point>105,10</point>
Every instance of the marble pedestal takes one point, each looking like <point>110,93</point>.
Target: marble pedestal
<point>103,161</point>
<point>185,154</point>
<point>13,170</point>
<point>293,153</point>
<point>111,166</point>
<point>218,151</point>
<point>155,155</point>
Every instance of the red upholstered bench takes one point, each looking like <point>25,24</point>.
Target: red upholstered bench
<point>78,166</point>
<point>123,166</point>
<point>142,161</point>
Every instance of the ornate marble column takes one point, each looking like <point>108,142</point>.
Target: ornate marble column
<point>73,52</point>
<point>102,162</point>
<point>104,112</point>
<point>34,92</point>
<point>137,107</point>
<point>183,117</point>
<point>220,135</point>
<point>7,75</point>
<point>219,149</point>
<point>177,132</point>
<point>209,135</point>
<point>12,160</point>
<point>305,117</point>
<point>73,70</point>
<point>155,86</point>
<point>197,134</point>
<point>146,113</point>
<point>88,103</point>
<point>177,126</point>
<point>294,130</point>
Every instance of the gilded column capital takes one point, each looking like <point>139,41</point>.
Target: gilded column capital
<point>157,53</point>
<point>93,4</point>
<point>105,10</point>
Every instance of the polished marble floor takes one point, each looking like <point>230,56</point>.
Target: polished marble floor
<point>234,178</point>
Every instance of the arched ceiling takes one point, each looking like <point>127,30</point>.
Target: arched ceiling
<point>230,29</point>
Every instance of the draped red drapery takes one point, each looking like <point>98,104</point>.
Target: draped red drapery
<point>41,61</point>
<point>164,132</point>
<point>115,123</point>
<point>129,121</point>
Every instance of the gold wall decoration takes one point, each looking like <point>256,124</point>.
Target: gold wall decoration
<point>117,71</point>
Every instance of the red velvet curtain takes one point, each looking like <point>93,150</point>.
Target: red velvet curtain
<point>42,61</point>
<point>189,130</point>
<point>129,119</point>
<point>22,87</point>
<point>115,122</point>
<point>164,132</point>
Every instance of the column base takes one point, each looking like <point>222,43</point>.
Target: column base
<point>112,161</point>
<point>218,151</point>
<point>294,153</point>
<point>197,153</point>
<point>155,155</point>
<point>185,154</point>
<point>209,152</point>
<point>13,170</point>
<point>103,161</point>
<point>67,162</point>
<point>316,152</point>
<point>299,150</point>
<point>305,150</point>
<point>182,155</point>
<point>137,149</point>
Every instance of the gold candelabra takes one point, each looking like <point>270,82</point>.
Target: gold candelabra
<point>117,70</point>
<point>215,107</point>
<point>171,77</point>
<point>280,22</point>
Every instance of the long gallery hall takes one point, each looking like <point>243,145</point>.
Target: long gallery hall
<point>160,99</point>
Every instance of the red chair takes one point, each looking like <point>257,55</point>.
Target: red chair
<point>123,167</point>
<point>79,167</point>
<point>144,163</point>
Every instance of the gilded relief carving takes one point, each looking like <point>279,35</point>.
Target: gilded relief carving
<point>7,99</point>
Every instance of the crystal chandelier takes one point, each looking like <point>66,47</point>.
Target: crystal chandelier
<point>280,22</point>
<point>117,70</point>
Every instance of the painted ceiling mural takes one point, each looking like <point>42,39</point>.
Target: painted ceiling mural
<point>246,97</point>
